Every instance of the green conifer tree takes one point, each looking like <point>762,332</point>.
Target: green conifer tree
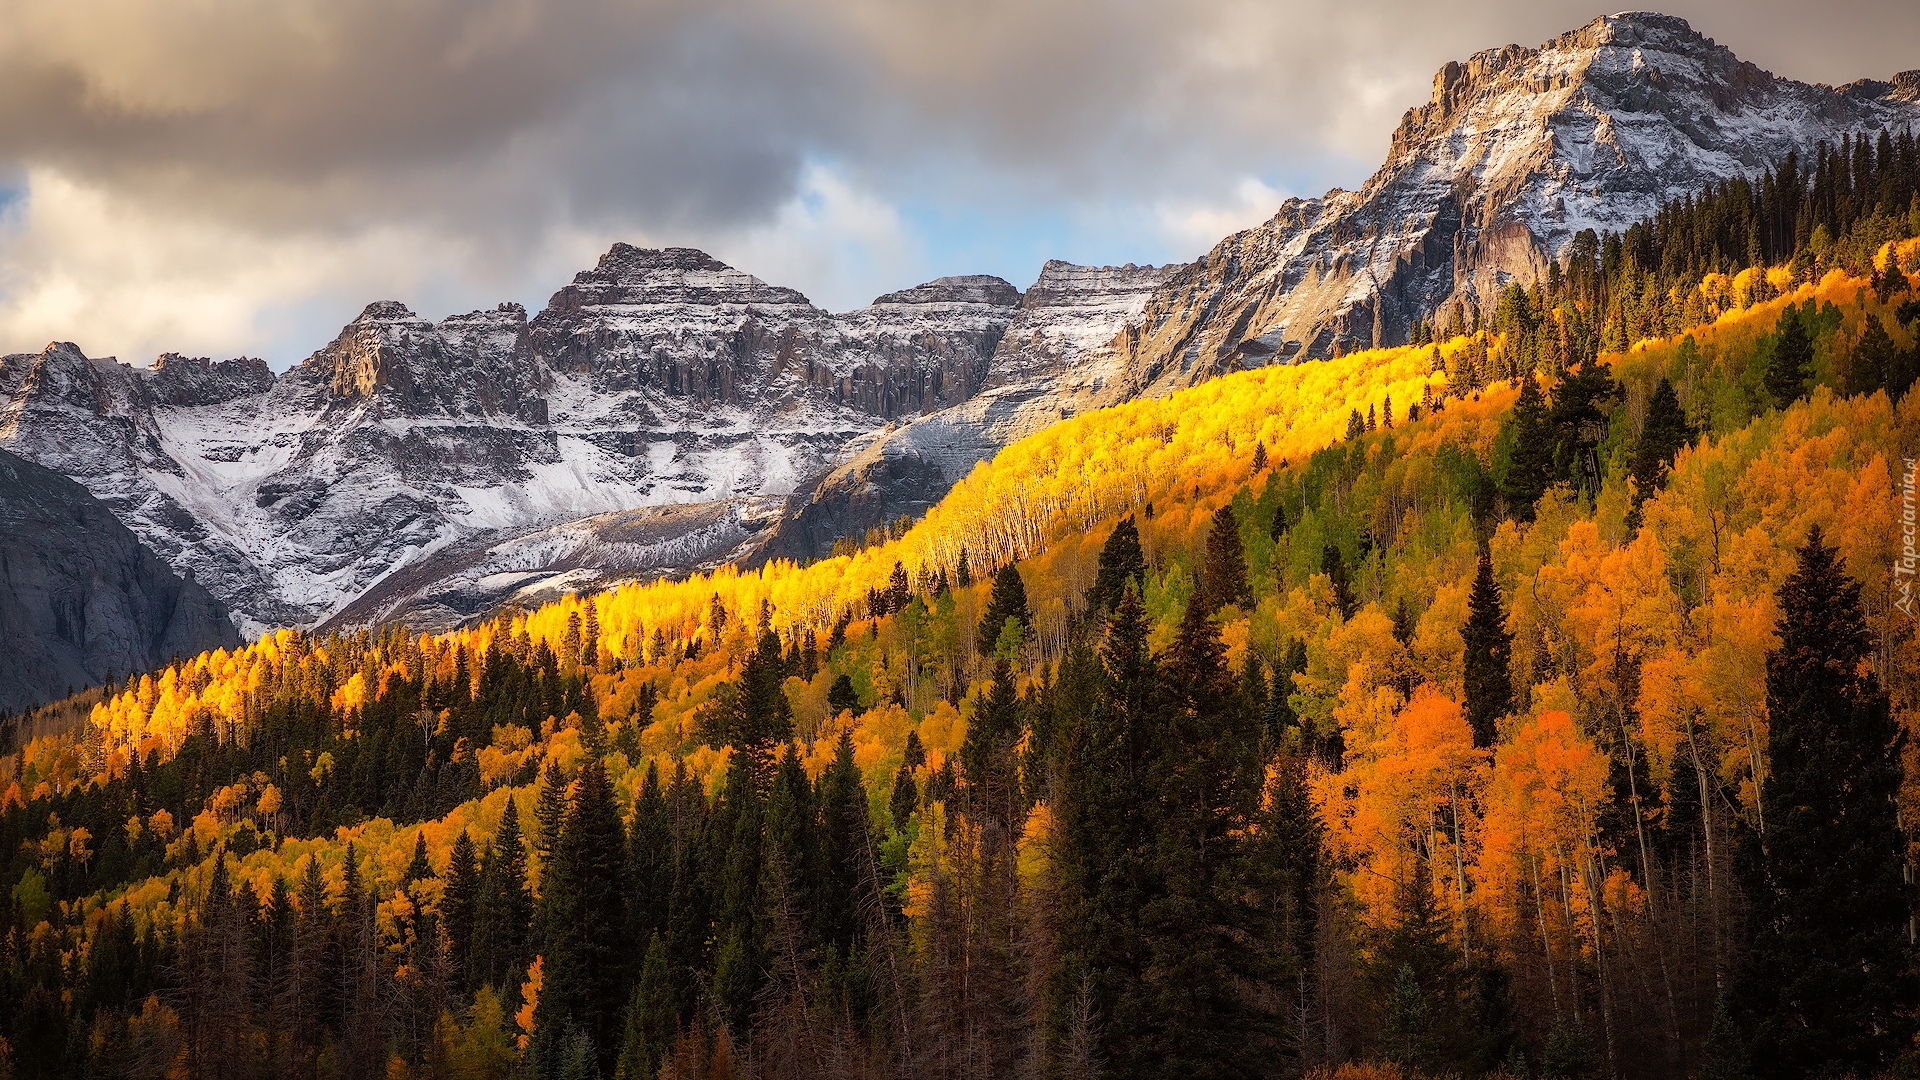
<point>506,908</point>
<point>1121,561</point>
<point>1792,359</point>
<point>1007,601</point>
<point>1488,676</point>
<point>1529,463</point>
<point>459,908</point>
<point>1664,431</point>
<point>584,904</point>
<point>1223,579</point>
<point>1829,966</point>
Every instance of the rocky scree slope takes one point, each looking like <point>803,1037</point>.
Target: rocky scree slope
<point>80,597</point>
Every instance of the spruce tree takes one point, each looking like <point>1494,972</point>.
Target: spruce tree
<point>752,714</point>
<point>1828,978</point>
<point>841,696</point>
<point>1875,357</point>
<point>584,901</point>
<point>1488,656</point>
<point>652,1018</point>
<point>1530,456</point>
<point>506,907</point>
<point>1335,567</point>
<point>1121,561</point>
<point>1008,600</point>
<point>1664,431</point>
<point>1792,359</point>
<point>1106,835</point>
<point>1223,575</point>
<point>459,906</point>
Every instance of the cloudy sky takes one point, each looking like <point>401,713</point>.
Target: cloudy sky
<point>229,177</point>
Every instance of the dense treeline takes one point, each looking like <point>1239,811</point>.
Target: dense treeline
<point>1543,728</point>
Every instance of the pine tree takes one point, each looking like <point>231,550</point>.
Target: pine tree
<point>1792,359</point>
<point>1530,458</point>
<point>506,907</point>
<point>1875,358</point>
<point>459,906</point>
<point>841,696</point>
<point>1335,567</point>
<point>584,911</point>
<point>1829,964</point>
<point>845,832</point>
<point>1007,601</point>
<point>652,1018</point>
<point>1664,431</point>
<point>1488,656</point>
<point>1121,561</point>
<point>962,570</point>
<point>548,810</point>
<point>752,714</point>
<point>905,797</point>
<point>418,867</point>
<point>1223,578</point>
<point>1259,456</point>
<point>1356,425</point>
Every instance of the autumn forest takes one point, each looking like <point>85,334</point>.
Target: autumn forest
<point>1532,700</point>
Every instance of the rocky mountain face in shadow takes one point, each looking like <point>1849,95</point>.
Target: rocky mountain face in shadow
<point>81,598</point>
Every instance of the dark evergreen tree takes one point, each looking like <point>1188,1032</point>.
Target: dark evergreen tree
<point>841,696</point>
<point>1335,567</point>
<point>506,907</point>
<point>1223,575</point>
<point>1121,561</point>
<point>1792,359</point>
<point>752,714</point>
<point>459,907</point>
<point>1828,980</point>
<point>652,1018</point>
<point>418,867</point>
<point>1662,433</point>
<point>1529,466</point>
<point>1875,357</point>
<point>1007,601</point>
<point>584,902</point>
<point>1488,676</point>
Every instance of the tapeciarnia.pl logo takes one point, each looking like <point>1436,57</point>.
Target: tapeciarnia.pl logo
<point>1907,561</point>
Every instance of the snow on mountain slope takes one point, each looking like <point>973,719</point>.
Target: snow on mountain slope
<point>1516,152</point>
<point>659,377</point>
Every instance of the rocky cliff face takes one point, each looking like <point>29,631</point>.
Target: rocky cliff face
<point>80,597</point>
<point>657,378</point>
<point>1517,151</point>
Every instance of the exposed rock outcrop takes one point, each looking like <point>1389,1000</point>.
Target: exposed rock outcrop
<point>80,597</point>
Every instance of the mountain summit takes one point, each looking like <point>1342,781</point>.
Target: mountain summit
<point>1517,151</point>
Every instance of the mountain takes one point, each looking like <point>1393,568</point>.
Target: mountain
<point>1517,152</point>
<point>658,378</point>
<point>80,597</point>
<point>430,471</point>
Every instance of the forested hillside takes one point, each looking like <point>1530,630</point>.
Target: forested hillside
<point>1520,703</point>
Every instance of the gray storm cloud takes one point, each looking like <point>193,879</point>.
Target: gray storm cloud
<point>237,176</point>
